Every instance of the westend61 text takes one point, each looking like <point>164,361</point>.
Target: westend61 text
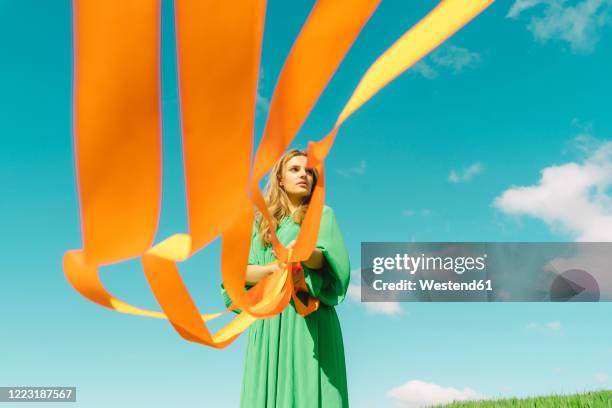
<point>405,262</point>
<point>430,284</point>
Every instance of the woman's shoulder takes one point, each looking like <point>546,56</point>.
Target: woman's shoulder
<point>327,215</point>
<point>328,211</point>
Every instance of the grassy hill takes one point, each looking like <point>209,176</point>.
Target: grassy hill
<point>597,399</point>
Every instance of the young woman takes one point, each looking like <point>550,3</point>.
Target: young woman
<point>293,361</point>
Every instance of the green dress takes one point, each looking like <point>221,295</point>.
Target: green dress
<point>293,361</point>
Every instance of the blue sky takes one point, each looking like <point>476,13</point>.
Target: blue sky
<point>472,144</point>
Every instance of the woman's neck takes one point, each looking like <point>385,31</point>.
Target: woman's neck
<point>294,204</point>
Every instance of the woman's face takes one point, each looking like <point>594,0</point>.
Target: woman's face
<point>296,179</point>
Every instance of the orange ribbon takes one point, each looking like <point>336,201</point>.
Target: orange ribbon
<point>118,146</point>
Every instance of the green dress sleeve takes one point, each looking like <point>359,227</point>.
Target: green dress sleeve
<point>330,283</point>
<point>252,261</point>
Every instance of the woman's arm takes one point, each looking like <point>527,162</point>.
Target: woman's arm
<point>316,260</point>
<point>255,273</point>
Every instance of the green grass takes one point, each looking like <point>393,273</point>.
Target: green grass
<point>596,399</point>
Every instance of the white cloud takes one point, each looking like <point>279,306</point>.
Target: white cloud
<point>358,170</point>
<point>601,377</point>
<point>466,174</point>
<point>552,326</point>
<point>354,293</point>
<point>425,70</point>
<point>417,394</point>
<point>583,143</point>
<point>522,5</point>
<point>409,212</point>
<point>455,58</point>
<point>571,197</point>
<point>446,57</point>
<point>579,25</point>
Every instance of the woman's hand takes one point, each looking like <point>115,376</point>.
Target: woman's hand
<point>288,246</point>
<point>314,261</point>
<point>273,267</point>
<point>255,273</point>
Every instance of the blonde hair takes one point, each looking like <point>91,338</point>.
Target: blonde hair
<point>277,200</point>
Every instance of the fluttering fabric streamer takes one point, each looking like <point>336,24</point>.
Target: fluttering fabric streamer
<point>118,140</point>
